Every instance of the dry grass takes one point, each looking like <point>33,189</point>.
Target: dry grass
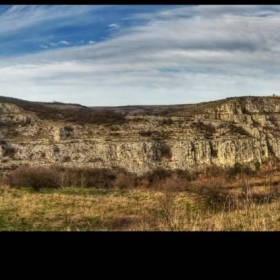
<point>79,209</point>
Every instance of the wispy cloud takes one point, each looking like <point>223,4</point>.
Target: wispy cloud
<point>44,46</point>
<point>59,43</point>
<point>64,42</point>
<point>25,16</point>
<point>179,55</point>
<point>113,26</point>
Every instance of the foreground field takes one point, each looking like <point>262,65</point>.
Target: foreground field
<point>81,209</point>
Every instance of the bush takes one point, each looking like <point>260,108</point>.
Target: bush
<point>36,177</point>
<point>86,177</point>
<point>158,175</point>
<point>98,178</point>
<point>167,121</point>
<point>207,129</point>
<point>239,130</point>
<point>9,151</point>
<point>184,175</point>
<point>238,168</point>
<point>145,133</point>
<point>257,166</point>
<point>215,171</point>
<point>163,179</point>
<point>166,151</point>
<point>68,128</point>
<point>214,152</point>
<point>39,177</point>
<point>125,181</point>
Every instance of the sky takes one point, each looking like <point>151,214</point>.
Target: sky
<point>138,54</point>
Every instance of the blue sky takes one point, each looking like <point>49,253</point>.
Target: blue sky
<point>137,54</point>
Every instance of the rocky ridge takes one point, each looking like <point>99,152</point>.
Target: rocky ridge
<point>194,136</point>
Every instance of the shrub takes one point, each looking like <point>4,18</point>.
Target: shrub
<point>257,165</point>
<point>145,133</point>
<point>86,177</point>
<point>163,179</point>
<point>215,171</point>
<point>239,130</point>
<point>9,151</point>
<point>167,121</point>
<point>56,149</point>
<point>158,175</point>
<point>207,129</point>
<point>66,159</point>
<point>184,175</point>
<point>166,151</point>
<point>36,177</point>
<point>125,181</point>
<point>39,177</point>
<point>238,168</point>
<point>98,178</point>
<point>69,128</point>
<point>214,152</point>
<point>213,199</point>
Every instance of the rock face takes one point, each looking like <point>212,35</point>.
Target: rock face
<point>244,130</point>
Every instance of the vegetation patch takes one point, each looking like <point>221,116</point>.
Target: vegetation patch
<point>167,121</point>
<point>166,151</point>
<point>208,130</point>
<point>160,200</point>
<point>146,133</point>
<point>238,130</point>
<point>77,114</point>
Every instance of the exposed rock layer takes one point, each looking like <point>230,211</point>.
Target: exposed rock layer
<point>224,132</point>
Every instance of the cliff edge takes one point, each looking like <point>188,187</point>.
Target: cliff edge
<point>141,138</point>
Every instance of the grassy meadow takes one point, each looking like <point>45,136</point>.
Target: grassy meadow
<point>83,209</point>
<point>40,199</point>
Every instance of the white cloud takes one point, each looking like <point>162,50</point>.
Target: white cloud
<point>25,16</point>
<point>44,47</point>
<point>91,42</point>
<point>212,11</point>
<point>113,26</point>
<point>52,44</point>
<point>181,55</point>
<point>59,43</point>
<point>64,42</point>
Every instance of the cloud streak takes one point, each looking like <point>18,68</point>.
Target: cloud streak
<point>177,55</point>
<point>20,17</point>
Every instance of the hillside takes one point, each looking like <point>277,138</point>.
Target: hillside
<point>140,138</point>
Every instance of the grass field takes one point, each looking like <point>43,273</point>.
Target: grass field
<point>89,209</point>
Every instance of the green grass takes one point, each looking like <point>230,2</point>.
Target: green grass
<point>76,191</point>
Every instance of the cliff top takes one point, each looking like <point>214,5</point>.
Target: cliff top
<point>116,115</point>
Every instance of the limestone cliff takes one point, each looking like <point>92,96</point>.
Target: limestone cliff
<point>244,129</point>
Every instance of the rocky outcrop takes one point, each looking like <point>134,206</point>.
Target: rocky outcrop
<point>244,130</point>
